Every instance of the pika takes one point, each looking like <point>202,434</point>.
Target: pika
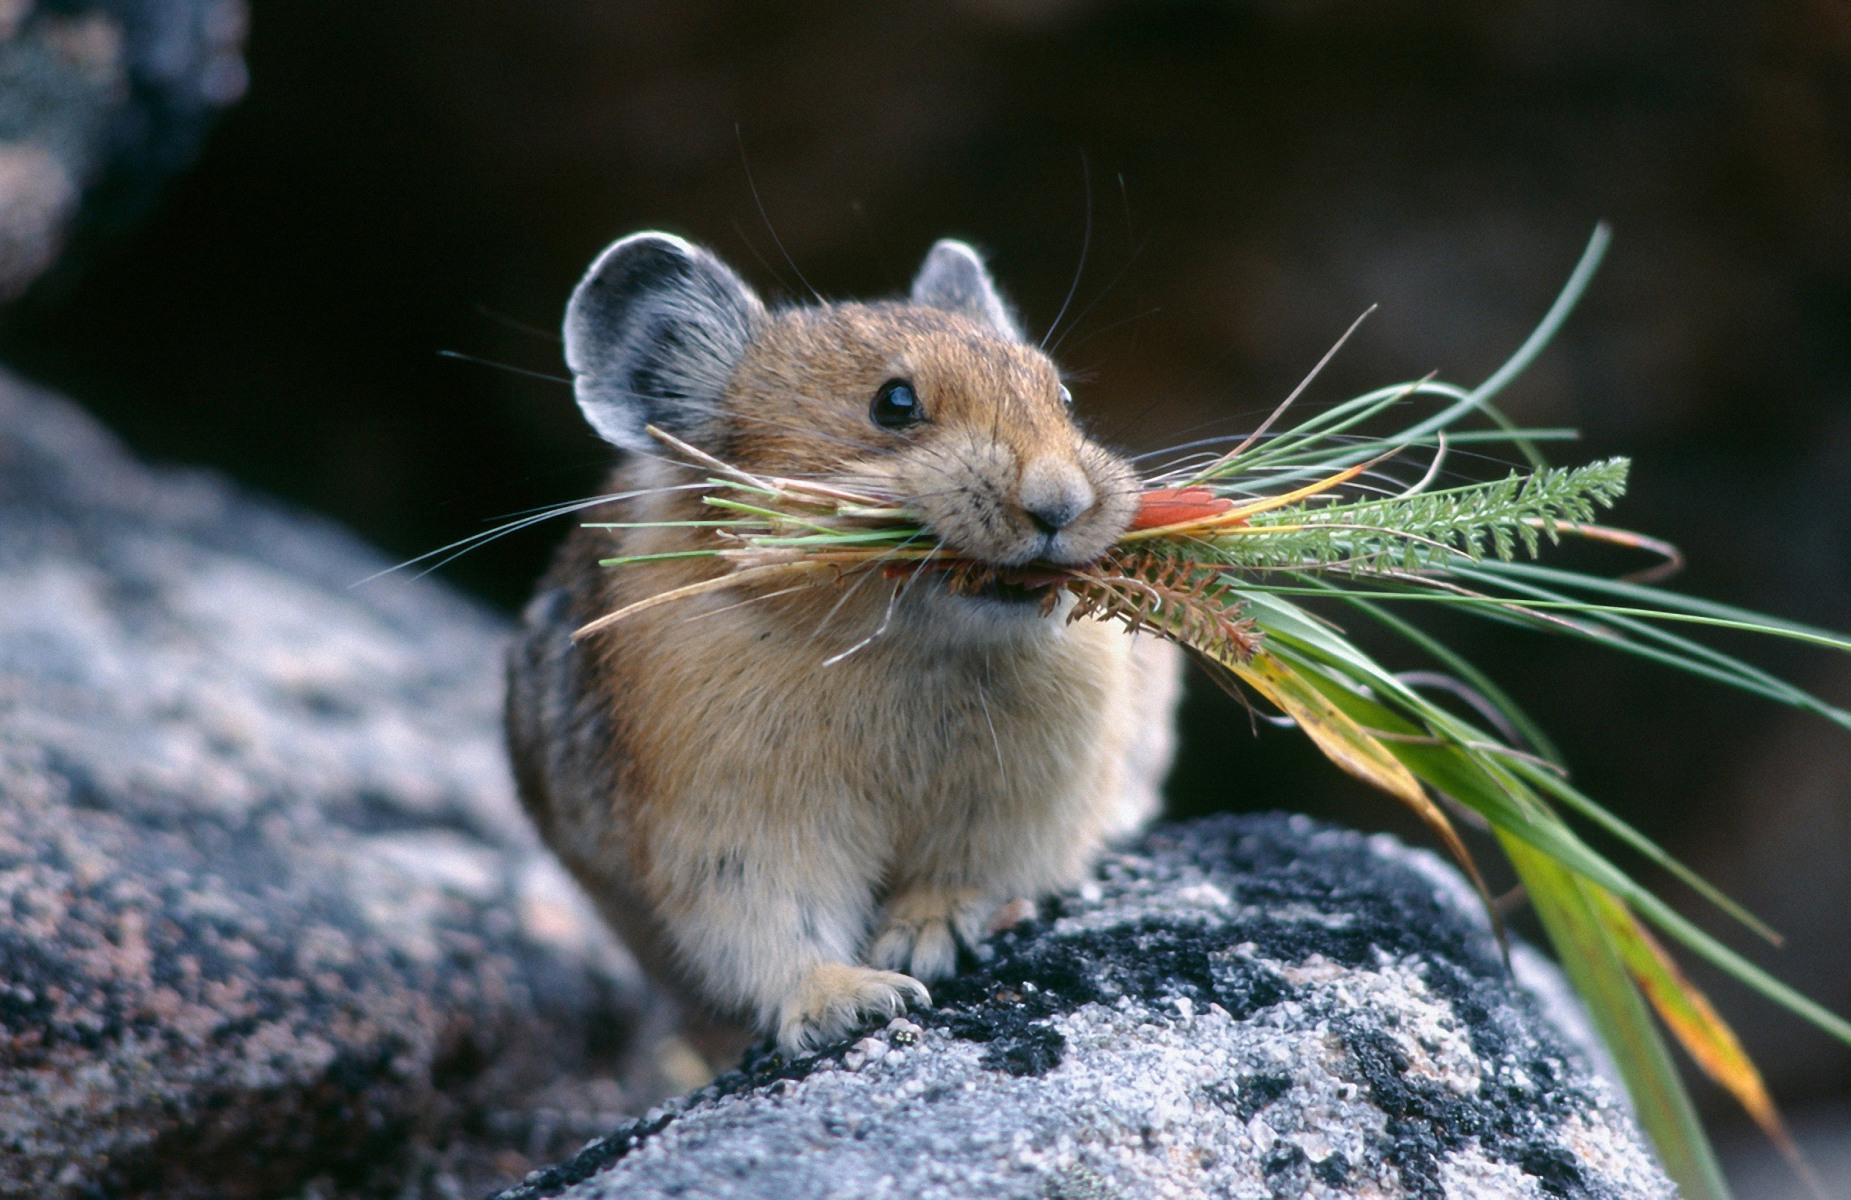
<point>796,806</point>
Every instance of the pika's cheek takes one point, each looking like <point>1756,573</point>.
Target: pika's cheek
<point>962,492</point>
<point>975,517</point>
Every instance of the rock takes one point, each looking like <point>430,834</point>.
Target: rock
<point>268,910</point>
<point>100,102</point>
<point>1245,1007</point>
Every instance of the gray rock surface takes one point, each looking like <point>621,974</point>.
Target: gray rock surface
<point>101,101</point>
<point>1252,1007</point>
<point>268,912</point>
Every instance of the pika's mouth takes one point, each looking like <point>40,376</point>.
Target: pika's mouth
<point>1030,585</point>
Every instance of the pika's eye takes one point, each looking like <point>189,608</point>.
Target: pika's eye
<point>896,406</point>
<point>1066,397</point>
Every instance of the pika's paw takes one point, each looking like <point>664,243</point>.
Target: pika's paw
<point>835,998</point>
<point>924,928</point>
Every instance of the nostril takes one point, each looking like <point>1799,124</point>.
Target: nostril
<point>1052,518</point>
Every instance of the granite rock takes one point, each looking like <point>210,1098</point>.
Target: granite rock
<point>270,918</point>
<point>1254,1007</point>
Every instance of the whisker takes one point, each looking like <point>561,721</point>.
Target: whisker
<point>1105,329</point>
<point>858,584</point>
<point>1086,241</point>
<point>459,356</point>
<point>714,612</point>
<point>519,326</point>
<point>1197,443</point>
<point>984,701</point>
<point>739,134</point>
<point>1103,293</point>
<point>463,546</point>
<point>892,599</point>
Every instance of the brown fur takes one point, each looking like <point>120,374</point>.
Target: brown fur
<point>797,844</point>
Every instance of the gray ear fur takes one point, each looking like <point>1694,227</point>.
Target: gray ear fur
<point>653,332</point>
<point>953,278</point>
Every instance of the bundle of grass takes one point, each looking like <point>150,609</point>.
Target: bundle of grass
<point>1223,555</point>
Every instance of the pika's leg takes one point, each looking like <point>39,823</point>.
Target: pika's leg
<point>776,937</point>
<point>925,925</point>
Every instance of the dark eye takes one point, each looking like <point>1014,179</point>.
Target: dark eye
<point>1066,397</point>
<point>896,406</point>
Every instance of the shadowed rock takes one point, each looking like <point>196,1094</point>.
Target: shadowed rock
<point>1245,1007</point>
<point>100,102</point>
<point>268,912</point>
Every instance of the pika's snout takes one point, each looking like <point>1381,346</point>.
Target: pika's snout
<point>1053,494</point>
<point>1061,500</point>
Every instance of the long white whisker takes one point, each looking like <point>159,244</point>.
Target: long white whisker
<point>984,701</point>
<point>867,574</point>
<point>463,546</point>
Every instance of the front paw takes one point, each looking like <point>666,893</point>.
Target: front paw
<point>835,999</point>
<point>924,929</point>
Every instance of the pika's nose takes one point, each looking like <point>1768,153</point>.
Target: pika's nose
<point>1054,518</point>
<point>1053,494</point>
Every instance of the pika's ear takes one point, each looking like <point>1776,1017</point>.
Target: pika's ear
<point>653,333</point>
<point>953,278</point>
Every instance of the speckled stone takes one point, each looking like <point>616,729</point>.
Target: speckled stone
<point>269,916</point>
<point>1252,1007</point>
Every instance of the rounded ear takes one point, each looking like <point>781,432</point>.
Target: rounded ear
<point>653,332</point>
<point>953,278</point>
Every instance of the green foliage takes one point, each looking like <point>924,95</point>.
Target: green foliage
<point>1427,530</point>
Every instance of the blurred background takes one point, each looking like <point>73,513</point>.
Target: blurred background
<point>1230,183</point>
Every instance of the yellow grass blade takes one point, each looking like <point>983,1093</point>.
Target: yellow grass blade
<point>1696,1024</point>
<point>1351,747</point>
<point>1340,738</point>
<point>1686,1011</point>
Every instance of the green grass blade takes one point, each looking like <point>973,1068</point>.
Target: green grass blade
<point>1291,466</point>
<point>1674,924</point>
<point>1647,641</point>
<point>629,559</point>
<point>1617,631</point>
<point>1467,777</point>
<point>1584,804</point>
<point>1661,599</point>
<point>1494,790</point>
<point>1534,835</point>
<point>1533,345</point>
<point>1659,1097</point>
<point>1521,721</point>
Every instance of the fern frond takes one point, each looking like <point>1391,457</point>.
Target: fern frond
<point>1188,602</point>
<point>1427,531</point>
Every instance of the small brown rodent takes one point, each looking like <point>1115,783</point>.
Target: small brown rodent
<point>786,832</point>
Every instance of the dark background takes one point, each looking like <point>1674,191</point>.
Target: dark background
<point>422,176</point>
